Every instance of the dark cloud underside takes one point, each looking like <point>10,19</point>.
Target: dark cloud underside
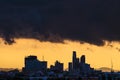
<point>90,21</point>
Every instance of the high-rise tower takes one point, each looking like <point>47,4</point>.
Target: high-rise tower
<point>74,60</point>
<point>83,59</point>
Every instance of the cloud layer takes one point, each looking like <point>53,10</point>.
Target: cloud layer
<point>90,21</point>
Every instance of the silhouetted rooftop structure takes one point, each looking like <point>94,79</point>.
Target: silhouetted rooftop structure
<point>58,67</point>
<point>32,64</point>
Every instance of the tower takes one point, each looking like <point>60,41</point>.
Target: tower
<point>83,59</point>
<point>74,60</point>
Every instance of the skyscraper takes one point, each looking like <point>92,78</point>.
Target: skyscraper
<point>78,65</point>
<point>70,66</point>
<point>32,64</point>
<point>82,59</point>
<point>74,60</point>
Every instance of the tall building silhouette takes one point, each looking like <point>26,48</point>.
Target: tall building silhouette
<point>32,64</point>
<point>79,65</point>
<point>70,68</point>
<point>82,59</point>
<point>58,67</point>
<point>74,60</point>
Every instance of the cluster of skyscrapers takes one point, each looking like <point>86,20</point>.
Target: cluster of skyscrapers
<point>78,65</point>
<point>78,69</point>
<point>32,64</point>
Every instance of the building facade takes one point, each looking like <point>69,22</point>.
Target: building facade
<point>32,64</point>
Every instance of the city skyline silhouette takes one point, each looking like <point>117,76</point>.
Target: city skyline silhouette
<point>52,29</point>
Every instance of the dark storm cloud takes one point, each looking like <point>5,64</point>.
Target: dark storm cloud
<point>91,21</point>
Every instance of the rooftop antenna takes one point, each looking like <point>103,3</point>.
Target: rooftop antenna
<point>43,58</point>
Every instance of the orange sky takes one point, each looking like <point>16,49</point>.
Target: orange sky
<point>12,56</point>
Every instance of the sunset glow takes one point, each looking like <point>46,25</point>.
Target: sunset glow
<point>12,56</point>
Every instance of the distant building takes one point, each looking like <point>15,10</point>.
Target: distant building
<point>74,61</point>
<point>70,66</point>
<point>58,67</point>
<point>82,59</point>
<point>32,64</point>
<point>79,65</point>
